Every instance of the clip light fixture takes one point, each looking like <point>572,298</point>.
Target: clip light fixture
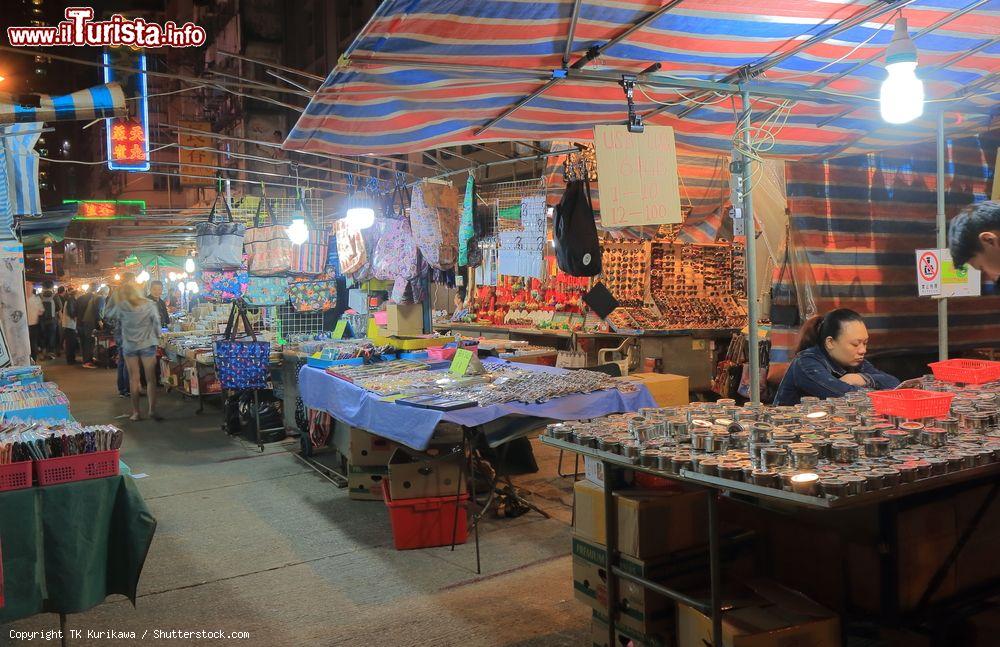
<point>901,98</point>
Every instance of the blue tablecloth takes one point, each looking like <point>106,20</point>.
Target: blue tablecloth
<point>414,427</point>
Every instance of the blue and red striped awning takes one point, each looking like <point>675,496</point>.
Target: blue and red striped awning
<point>425,74</point>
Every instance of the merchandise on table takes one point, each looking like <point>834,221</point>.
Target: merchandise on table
<point>358,374</point>
<point>834,448</point>
<point>20,375</point>
<point>25,440</point>
<point>29,396</point>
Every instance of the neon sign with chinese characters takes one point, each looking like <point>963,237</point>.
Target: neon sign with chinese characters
<point>128,137</point>
<point>107,209</point>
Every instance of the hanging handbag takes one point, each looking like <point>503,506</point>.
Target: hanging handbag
<point>784,310</point>
<point>396,256</point>
<point>351,251</point>
<point>220,244</point>
<point>242,364</point>
<point>434,218</point>
<point>269,251</point>
<point>313,294</point>
<point>310,258</point>
<point>223,285</point>
<point>578,249</point>
<point>267,290</point>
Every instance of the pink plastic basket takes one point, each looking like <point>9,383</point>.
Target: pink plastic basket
<point>81,467</point>
<point>966,371</point>
<point>912,404</point>
<point>439,353</point>
<point>15,476</point>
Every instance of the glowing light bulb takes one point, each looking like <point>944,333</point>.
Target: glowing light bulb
<point>361,217</point>
<point>171,276</point>
<point>298,231</point>
<point>189,265</point>
<point>192,287</point>
<point>118,277</point>
<point>901,97</point>
<point>142,278</point>
<point>85,287</point>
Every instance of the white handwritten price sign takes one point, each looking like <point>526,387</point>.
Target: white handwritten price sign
<point>638,175</point>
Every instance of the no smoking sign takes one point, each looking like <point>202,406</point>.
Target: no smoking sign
<point>928,272</point>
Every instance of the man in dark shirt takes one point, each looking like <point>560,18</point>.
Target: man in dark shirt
<point>974,238</point>
<point>156,296</point>
<point>85,328</point>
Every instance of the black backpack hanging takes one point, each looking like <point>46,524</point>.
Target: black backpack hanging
<point>578,250</point>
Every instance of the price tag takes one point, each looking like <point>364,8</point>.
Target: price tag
<point>393,397</point>
<point>340,329</point>
<point>460,363</point>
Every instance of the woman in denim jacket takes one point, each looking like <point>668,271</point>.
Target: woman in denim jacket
<point>830,360</point>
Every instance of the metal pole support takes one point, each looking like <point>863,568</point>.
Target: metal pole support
<point>942,238</point>
<point>753,347</point>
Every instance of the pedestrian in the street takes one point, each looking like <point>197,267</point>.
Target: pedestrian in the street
<point>140,324</point>
<point>34,312</point>
<point>68,321</point>
<point>48,321</point>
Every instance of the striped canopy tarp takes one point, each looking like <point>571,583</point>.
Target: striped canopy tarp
<point>98,102</point>
<point>855,222</point>
<point>432,73</point>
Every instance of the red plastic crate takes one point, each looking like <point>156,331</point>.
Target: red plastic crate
<point>15,476</point>
<point>424,523</point>
<point>912,404</point>
<point>966,371</point>
<point>81,467</point>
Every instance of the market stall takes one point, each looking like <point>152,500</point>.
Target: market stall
<point>74,528</point>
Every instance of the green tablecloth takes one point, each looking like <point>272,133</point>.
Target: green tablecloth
<point>68,547</point>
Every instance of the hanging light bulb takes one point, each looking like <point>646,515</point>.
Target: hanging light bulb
<point>142,278</point>
<point>85,287</point>
<point>192,287</point>
<point>901,98</point>
<point>298,231</point>
<point>189,265</point>
<point>360,211</point>
<point>118,277</point>
<point>171,276</point>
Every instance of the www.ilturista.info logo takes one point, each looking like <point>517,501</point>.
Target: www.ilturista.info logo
<point>81,29</point>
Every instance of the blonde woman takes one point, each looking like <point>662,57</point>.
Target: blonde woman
<point>140,325</point>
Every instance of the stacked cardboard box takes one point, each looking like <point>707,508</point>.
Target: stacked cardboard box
<point>651,525</point>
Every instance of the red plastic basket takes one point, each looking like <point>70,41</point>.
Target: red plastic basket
<point>15,476</point>
<point>81,467</point>
<point>424,523</point>
<point>966,371</point>
<point>912,403</point>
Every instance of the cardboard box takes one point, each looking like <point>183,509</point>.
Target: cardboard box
<point>404,320</point>
<point>419,476</point>
<point>360,447</point>
<point>771,615</point>
<point>651,523</point>
<point>668,390</point>
<point>639,609</point>
<point>365,483</point>
<point>623,635</point>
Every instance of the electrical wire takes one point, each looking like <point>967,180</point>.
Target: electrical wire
<point>683,96</point>
<point>854,49</point>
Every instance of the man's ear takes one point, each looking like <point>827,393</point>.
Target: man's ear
<point>989,239</point>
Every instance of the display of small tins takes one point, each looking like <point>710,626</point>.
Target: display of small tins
<point>848,447</point>
<point>843,451</point>
<point>876,447</point>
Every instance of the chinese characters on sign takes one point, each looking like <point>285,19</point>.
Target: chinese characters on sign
<point>197,151</point>
<point>48,260</point>
<point>638,175</point>
<point>937,276</point>
<point>128,141</point>
<point>128,137</point>
<point>107,209</point>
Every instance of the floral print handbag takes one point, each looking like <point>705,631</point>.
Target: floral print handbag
<point>314,293</point>
<point>242,364</point>
<point>223,285</point>
<point>267,290</point>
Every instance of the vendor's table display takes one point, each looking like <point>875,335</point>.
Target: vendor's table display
<point>880,458</point>
<point>537,391</point>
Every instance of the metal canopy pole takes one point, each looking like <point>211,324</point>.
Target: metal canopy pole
<point>753,348</point>
<point>942,241</point>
